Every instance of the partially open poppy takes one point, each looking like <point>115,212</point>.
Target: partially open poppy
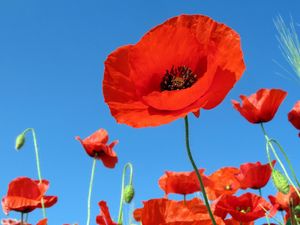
<point>96,146</point>
<point>25,195</point>
<point>261,106</point>
<point>223,181</point>
<point>187,63</point>
<point>245,208</point>
<point>169,212</point>
<point>104,217</point>
<point>181,182</point>
<point>294,116</point>
<point>285,201</point>
<point>254,175</point>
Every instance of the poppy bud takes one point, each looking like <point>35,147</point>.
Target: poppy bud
<point>280,181</point>
<point>297,209</point>
<point>20,141</point>
<point>128,193</point>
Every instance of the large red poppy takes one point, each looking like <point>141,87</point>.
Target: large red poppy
<point>261,106</point>
<point>254,175</point>
<point>187,63</point>
<point>169,212</point>
<point>234,222</point>
<point>223,181</point>
<point>245,208</point>
<point>25,195</point>
<point>181,182</point>
<point>96,146</point>
<point>294,116</point>
<point>104,218</point>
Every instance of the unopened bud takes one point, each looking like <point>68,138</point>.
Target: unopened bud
<point>20,141</point>
<point>297,209</point>
<point>280,181</point>
<point>128,193</point>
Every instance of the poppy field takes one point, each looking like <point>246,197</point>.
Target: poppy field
<point>186,116</point>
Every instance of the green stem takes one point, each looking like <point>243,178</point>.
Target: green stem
<point>90,191</point>
<point>22,218</point>
<point>187,142</point>
<point>260,194</point>
<point>269,144</point>
<point>287,160</point>
<point>127,165</point>
<point>37,163</point>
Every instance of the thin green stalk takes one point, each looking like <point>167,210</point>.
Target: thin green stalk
<point>22,218</point>
<point>90,192</point>
<point>187,142</point>
<point>267,216</point>
<point>287,160</point>
<point>127,165</point>
<point>269,144</point>
<point>37,163</point>
<point>260,194</point>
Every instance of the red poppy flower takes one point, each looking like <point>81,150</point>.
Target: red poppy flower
<point>294,116</point>
<point>234,222</point>
<point>181,182</point>
<point>25,195</point>
<point>254,175</point>
<point>261,106</point>
<point>104,217</point>
<point>170,212</point>
<point>12,222</point>
<point>223,181</point>
<point>17,222</point>
<point>96,146</point>
<point>187,63</point>
<point>245,208</point>
<point>285,201</point>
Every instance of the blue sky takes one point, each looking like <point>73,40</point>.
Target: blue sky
<point>51,71</point>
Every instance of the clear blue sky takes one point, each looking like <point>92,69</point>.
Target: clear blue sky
<point>51,71</point>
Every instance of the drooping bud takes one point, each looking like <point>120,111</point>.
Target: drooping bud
<point>280,181</point>
<point>128,193</point>
<point>20,141</point>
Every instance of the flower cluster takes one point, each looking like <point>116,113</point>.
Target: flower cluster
<point>188,63</point>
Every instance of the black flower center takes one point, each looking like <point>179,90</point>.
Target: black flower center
<point>178,78</point>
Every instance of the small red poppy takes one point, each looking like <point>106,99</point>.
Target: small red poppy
<point>96,146</point>
<point>25,195</point>
<point>261,106</point>
<point>187,63</point>
<point>294,116</point>
<point>104,217</point>
<point>181,182</point>
<point>223,181</point>
<point>245,208</point>
<point>285,201</point>
<point>17,222</point>
<point>254,175</point>
<point>12,222</point>
<point>164,211</point>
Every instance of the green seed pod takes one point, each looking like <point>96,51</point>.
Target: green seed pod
<point>128,193</point>
<point>280,181</point>
<point>20,141</point>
